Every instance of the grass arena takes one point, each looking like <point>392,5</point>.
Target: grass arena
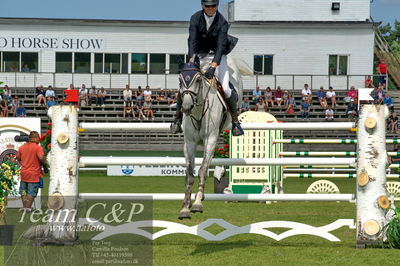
<point>183,248</point>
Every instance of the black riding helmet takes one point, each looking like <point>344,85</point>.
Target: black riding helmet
<point>209,2</point>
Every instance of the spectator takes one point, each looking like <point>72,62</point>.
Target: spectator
<point>101,97</point>
<point>393,122</point>
<point>268,95</point>
<point>20,110</point>
<point>92,96</point>
<point>382,69</point>
<point>14,105</point>
<point>305,109</point>
<point>352,106</point>
<point>147,92</point>
<point>388,101</point>
<point>257,94</point>
<point>128,104</point>
<point>7,94</point>
<point>379,95</point>
<point>291,102</point>
<point>245,105</point>
<point>161,97</point>
<point>83,96</point>
<point>352,94</point>
<point>306,93</point>
<point>50,93</point>
<point>285,98</point>
<point>329,114</point>
<point>369,83</point>
<point>139,94</point>
<point>331,97</point>
<point>4,109</point>
<point>148,107</point>
<point>139,107</point>
<point>40,96</point>
<point>51,102</point>
<point>352,116</point>
<point>321,94</point>
<point>261,106</point>
<point>279,96</point>
<point>170,98</point>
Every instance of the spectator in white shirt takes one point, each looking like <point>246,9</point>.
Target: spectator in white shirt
<point>83,96</point>
<point>331,97</point>
<point>306,93</point>
<point>93,95</point>
<point>50,92</point>
<point>329,113</point>
<point>147,92</point>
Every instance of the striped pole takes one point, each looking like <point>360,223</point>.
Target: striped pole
<point>327,141</point>
<point>318,153</point>
<point>330,165</point>
<point>309,175</point>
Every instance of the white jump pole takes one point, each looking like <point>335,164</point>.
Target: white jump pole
<point>163,127</point>
<point>219,197</point>
<point>168,161</point>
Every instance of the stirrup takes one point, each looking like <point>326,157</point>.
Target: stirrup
<point>176,127</point>
<point>237,129</point>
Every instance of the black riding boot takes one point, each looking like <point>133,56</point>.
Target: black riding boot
<point>232,104</point>
<point>176,126</point>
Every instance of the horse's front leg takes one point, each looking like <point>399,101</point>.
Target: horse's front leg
<point>203,173</point>
<point>189,150</point>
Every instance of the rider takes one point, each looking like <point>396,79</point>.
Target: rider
<point>208,32</point>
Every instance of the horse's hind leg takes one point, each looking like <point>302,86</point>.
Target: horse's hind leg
<point>203,174</point>
<point>190,150</point>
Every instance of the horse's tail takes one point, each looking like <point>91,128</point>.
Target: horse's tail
<point>242,66</point>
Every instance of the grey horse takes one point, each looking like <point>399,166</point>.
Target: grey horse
<point>204,118</point>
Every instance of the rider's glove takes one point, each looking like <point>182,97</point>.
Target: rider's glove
<point>210,73</point>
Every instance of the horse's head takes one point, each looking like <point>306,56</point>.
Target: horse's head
<point>190,83</point>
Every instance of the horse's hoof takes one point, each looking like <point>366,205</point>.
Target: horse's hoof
<point>184,215</point>
<point>197,208</point>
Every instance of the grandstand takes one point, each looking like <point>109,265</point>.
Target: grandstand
<point>112,112</point>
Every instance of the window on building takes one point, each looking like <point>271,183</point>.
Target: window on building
<point>157,63</point>
<point>82,63</point>
<point>263,64</point>
<point>139,63</point>
<point>124,63</point>
<point>112,63</point>
<point>338,64</point>
<point>174,61</point>
<point>64,62</point>
<point>29,62</point>
<point>98,63</point>
<point>11,61</point>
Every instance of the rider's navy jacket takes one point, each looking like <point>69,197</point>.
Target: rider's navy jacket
<point>216,39</point>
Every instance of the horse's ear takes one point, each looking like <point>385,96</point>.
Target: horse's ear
<point>197,61</point>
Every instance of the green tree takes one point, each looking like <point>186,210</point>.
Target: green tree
<point>392,36</point>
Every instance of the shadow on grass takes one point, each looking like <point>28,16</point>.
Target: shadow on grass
<point>209,248</point>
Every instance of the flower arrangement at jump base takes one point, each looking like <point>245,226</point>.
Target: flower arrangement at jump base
<point>223,152</point>
<point>8,170</point>
<point>45,140</point>
<point>393,229</point>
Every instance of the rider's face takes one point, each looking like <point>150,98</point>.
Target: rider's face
<point>210,10</point>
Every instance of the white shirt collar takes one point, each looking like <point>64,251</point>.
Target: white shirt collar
<point>209,20</point>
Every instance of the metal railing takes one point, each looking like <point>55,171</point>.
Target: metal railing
<point>170,81</point>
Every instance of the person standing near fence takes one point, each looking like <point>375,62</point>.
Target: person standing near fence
<point>31,156</point>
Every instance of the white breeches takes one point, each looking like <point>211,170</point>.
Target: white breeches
<point>221,72</point>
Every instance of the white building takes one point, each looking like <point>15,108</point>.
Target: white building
<point>285,41</point>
